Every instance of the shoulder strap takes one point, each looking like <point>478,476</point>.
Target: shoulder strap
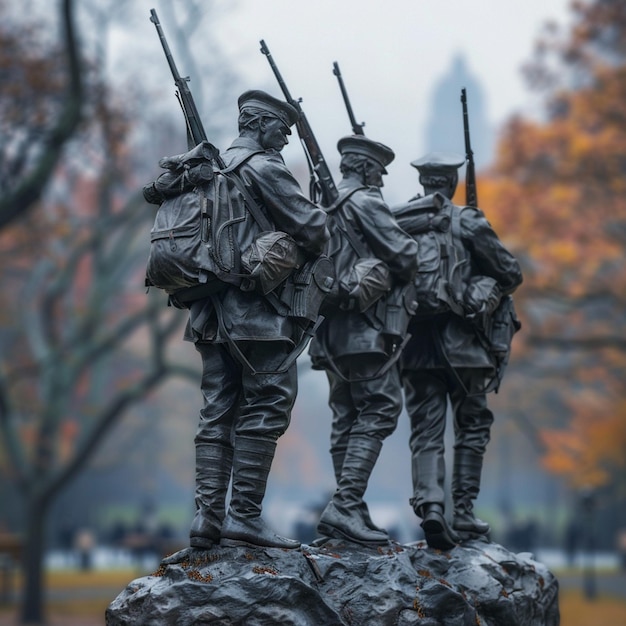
<point>341,199</point>
<point>231,173</point>
<point>240,161</point>
<point>251,204</point>
<point>346,226</point>
<point>455,287</point>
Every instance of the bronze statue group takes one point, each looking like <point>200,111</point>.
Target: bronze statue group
<point>407,315</point>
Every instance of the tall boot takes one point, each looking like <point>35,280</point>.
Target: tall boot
<point>465,488</point>
<point>343,516</point>
<point>244,524</point>
<point>338,456</point>
<point>428,472</point>
<point>213,465</point>
<point>436,530</point>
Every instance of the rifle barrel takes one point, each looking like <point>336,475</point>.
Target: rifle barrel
<point>168,54</point>
<point>195,130</point>
<point>265,50</point>
<point>471,193</point>
<point>322,183</point>
<point>357,129</point>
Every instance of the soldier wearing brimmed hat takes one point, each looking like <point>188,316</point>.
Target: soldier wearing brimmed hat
<point>446,360</point>
<point>438,171</point>
<point>351,345</point>
<point>247,408</point>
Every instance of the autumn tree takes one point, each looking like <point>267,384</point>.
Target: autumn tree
<point>34,130</point>
<point>80,340</point>
<point>557,194</point>
<point>74,303</point>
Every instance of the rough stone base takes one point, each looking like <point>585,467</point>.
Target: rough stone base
<point>476,584</point>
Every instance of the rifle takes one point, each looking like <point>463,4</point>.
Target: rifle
<point>357,129</point>
<point>471,195</point>
<point>322,187</point>
<point>195,130</point>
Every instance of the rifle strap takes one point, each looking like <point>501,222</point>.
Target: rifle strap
<point>459,258</point>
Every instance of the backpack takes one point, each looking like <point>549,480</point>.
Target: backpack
<point>435,224</point>
<point>361,278</point>
<point>204,215</point>
<point>365,284</point>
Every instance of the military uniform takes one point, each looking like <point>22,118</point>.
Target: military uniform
<point>352,348</point>
<point>445,359</point>
<point>248,407</point>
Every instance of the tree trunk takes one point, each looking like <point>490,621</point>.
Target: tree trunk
<point>32,609</point>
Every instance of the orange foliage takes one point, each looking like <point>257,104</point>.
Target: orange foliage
<point>591,450</point>
<point>557,196</point>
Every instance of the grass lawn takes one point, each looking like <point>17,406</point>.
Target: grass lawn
<point>66,607</point>
<point>576,610</point>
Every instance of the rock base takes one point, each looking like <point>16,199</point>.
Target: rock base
<point>475,584</point>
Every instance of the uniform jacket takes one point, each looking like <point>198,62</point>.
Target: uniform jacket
<point>248,315</point>
<point>456,336</point>
<point>346,333</point>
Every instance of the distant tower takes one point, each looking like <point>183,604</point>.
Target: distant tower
<point>444,126</point>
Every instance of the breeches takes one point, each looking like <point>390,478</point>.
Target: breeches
<point>239,403</point>
<point>365,407</point>
<point>426,395</point>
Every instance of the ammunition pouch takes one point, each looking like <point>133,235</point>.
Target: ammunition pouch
<point>504,324</point>
<point>496,336</point>
<point>400,306</point>
<point>307,287</point>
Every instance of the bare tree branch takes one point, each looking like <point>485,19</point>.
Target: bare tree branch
<point>29,190</point>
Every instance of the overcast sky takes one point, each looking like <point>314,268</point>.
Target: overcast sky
<point>391,55</point>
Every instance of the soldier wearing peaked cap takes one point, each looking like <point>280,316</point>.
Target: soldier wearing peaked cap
<point>247,408</point>
<point>352,344</point>
<point>373,150</point>
<point>445,358</point>
<point>439,161</point>
<point>262,104</point>
<point>439,170</point>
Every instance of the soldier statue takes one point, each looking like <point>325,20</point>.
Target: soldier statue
<point>248,407</point>
<point>447,359</point>
<point>351,345</point>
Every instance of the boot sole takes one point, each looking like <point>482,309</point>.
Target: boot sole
<point>471,530</point>
<point>335,533</point>
<point>436,535</point>
<point>234,543</point>
<point>202,542</point>
<point>467,535</point>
